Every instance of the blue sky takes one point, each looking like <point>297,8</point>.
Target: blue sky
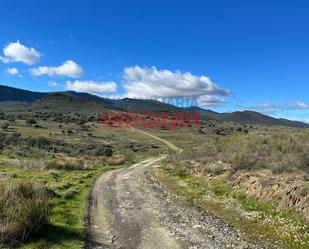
<point>231,55</point>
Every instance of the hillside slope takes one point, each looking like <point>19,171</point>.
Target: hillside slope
<point>14,94</point>
<point>66,103</point>
<point>14,99</point>
<point>251,117</point>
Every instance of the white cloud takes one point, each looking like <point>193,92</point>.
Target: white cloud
<point>16,52</point>
<point>267,106</point>
<point>151,82</point>
<point>68,68</point>
<point>12,71</point>
<point>208,100</point>
<point>299,105</point>
<point>306,120</point>
<point>91,86</point>
<point>54,84</point>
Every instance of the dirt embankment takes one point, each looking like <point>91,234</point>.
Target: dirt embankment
<point>287,190</point>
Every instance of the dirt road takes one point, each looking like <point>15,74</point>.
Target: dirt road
<point>130,209</point>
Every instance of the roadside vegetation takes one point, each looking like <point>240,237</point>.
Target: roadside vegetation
<point>276,151</point>
<point>257,220</point>
<point>24,209</point>
<point>54,216</point>
<point>47,165</point>
<point>256,181</point>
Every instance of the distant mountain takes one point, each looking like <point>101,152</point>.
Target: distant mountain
<point>14,94</point>
<point>251,117</point>
<point>18,99</point>
<point>66,103</point>
<point>145,105</point>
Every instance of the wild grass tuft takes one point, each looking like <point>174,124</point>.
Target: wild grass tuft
<point>66,164</point>
<point>24,210</point>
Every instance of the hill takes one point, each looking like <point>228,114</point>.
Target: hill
<point>14,94</point>
<point>66,103</point>
<point>251,117</point>
<point>70,101</point>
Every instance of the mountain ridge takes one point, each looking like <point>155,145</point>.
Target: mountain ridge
<point>79,101</point>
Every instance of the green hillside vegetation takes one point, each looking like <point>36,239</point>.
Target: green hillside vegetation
<point>94,103</point>
<point>65,103</point>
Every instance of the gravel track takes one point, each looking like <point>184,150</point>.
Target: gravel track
<point>129,209</point>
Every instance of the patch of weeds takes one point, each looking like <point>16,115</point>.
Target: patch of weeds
<point>258,220</point>
<point>220,187</point>
<point>68,191</point>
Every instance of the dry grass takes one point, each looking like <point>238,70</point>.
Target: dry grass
<point>24,210</point>
<point>82,163</point>
<point>66,164</point>
<point>116,159</point>
<point>31,164</point>
<point>279,152</point>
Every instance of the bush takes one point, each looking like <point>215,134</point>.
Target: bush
<point>24,210</point>
<point>103,150</point>
<point>31,121</point>
<point>2,115</point>
<point>5,125</point>
<point>278,152</point>
<point>66,164</point>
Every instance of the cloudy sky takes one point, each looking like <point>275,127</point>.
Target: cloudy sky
<point>227,55</point>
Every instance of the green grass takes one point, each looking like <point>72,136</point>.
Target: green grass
<point>69,189</point>
<point>258,220</point>
<point>66,228</point>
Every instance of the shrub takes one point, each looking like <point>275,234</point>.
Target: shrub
<point>70,131</point>
<point>66,164</point>
<point>2,115</point>
<point>103,150</point>
<point>278,152</point>
<point>31,121</point>
<point>24,210</point>
<point>5,125</point>
<point>11,119</point>
<point>129,156</point>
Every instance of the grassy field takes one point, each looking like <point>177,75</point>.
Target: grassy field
<point>62,159</point>
<point>68,192</point>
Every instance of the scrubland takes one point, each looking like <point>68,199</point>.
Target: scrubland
<point>46,171</point>
<point>255,178</point>
<point>252,176</point>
